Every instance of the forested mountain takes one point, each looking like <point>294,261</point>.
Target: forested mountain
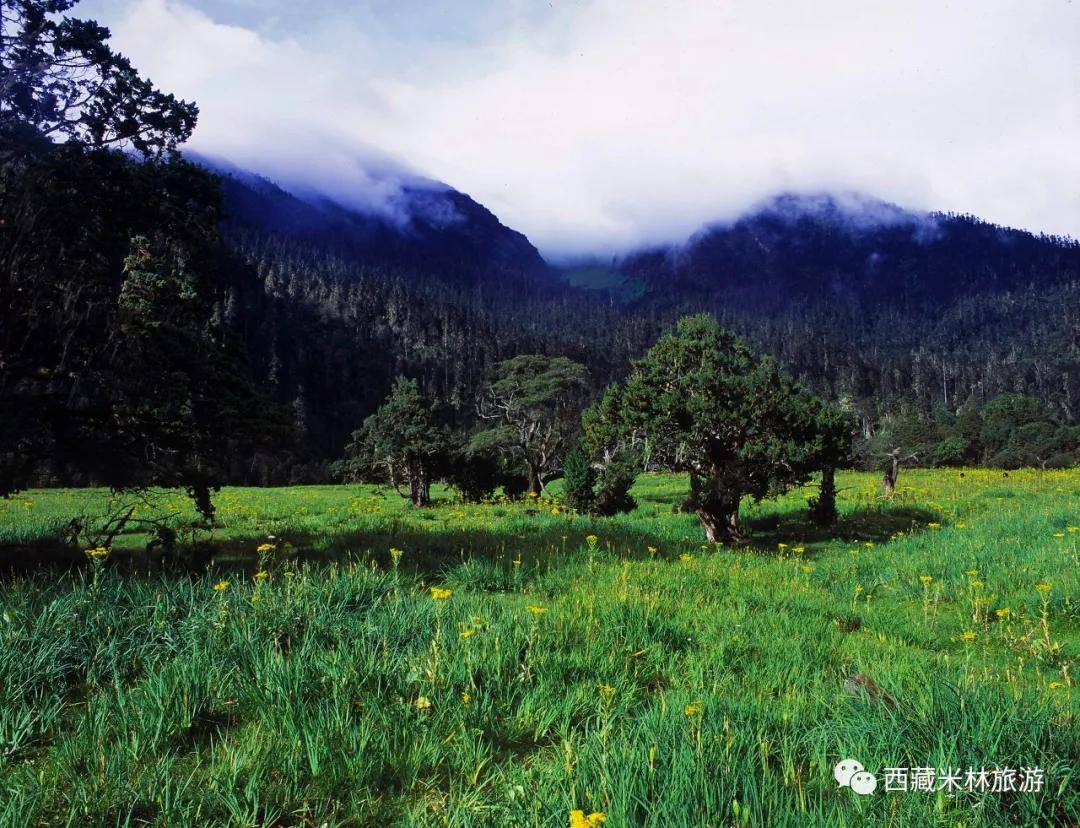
<point>888,308</point>
<point>421,227</point>
<point>891,311</point>
<point>852,250</point>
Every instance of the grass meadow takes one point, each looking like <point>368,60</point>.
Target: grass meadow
<point>326,656</point>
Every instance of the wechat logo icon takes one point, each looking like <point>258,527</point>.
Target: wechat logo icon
<point>851,774</point>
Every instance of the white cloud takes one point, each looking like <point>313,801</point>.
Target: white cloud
<point>615,122</point>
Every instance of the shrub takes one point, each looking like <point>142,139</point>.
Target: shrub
<point>578,481</point>
<point>613,494</point>
<point>475,475</point>
<point>952,451</point>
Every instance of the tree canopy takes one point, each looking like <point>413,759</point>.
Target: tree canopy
<point>402,441</point>
<point>60,79</point>
<point>532,405</point>
<point>116,367</point>
<point>702,402</point>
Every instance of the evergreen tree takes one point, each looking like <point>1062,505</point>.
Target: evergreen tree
<point>403,441</point>
<point>578,481</point>
<point>533,406</point>
<point>59,79</point>
<point>702,402</point>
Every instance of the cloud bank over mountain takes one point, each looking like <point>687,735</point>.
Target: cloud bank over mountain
<point>605,124</point>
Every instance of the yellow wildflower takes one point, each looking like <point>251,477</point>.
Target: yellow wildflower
<point>606,690</point>
<point>1004,612</point>
<point>968,635</point>
<point>221,586</point>
<point>395,555</point>
<point>591,540</point>
<point>798,550</point>
<point>554,510</point>
<point>781,546</point>
<point>1043,587</point>
<point>652,550</point>
<point>261,575</point>
<point>579,820</point>
<point>467,634</point>
<point>440,594</point>
<point>971,573</point>
<point>1056,685</point>
<point>263,548</point>
<point>693,709</point>
<point>933,526</point>
<point>535,610</point>
<point>97,552</point>
<point>926,578</point>
<point>1073,529</point>
<point>422,703</point>
<point>686,557</point>
<point>465,698</point>
<point>1059,534</point>
<point>977,584</point>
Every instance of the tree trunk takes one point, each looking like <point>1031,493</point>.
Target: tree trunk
<point>535,486</point>
<point>823,508</point>
<point>420,489</point>
<point>720,520</point>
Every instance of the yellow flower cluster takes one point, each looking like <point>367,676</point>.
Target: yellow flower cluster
<point>440,594</point>
<point>535,610</point>
<point>97,553</point>
<point>578,819</point>
<point>221,586</point>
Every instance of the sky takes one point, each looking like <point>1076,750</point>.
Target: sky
<point>597,126</point>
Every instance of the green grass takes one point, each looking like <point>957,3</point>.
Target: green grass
<point>691,686</point>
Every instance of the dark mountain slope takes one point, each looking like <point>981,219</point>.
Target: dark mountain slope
<point>425,229</point>
<point>851,250</point>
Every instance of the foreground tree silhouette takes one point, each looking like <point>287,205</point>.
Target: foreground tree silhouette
<point>703,403</point>
<point>60,79</point>
<point>115,366</point>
